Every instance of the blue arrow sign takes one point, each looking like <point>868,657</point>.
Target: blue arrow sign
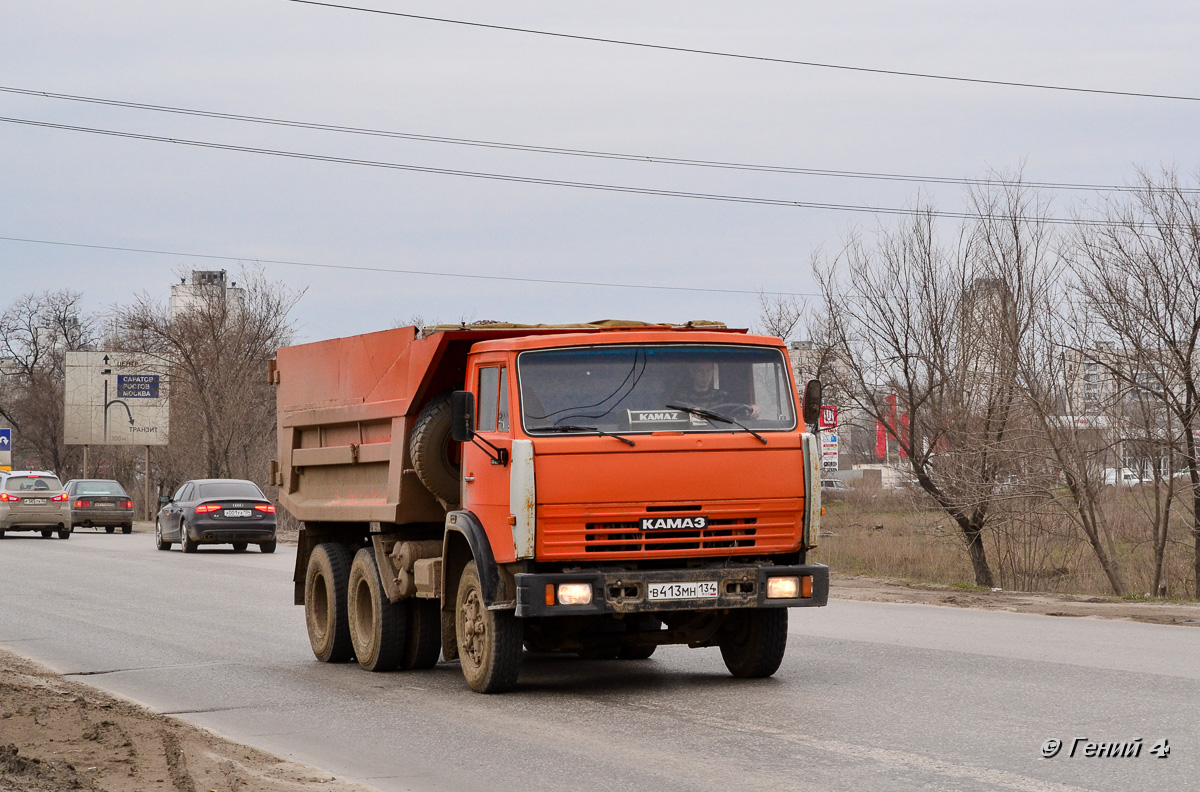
<point>5,439</point>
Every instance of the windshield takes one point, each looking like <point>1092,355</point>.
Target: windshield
<point>230,489</point>
<point>644,389</point>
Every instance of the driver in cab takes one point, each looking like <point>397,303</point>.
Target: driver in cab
<point>702,389</point>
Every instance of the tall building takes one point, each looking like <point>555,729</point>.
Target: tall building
<point>206,285</point>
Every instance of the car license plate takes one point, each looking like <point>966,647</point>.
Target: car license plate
<point>238,513</point>
<point>36,501</point>
<point>701,589</point>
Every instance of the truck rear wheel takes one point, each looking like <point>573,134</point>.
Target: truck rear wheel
<point>377,625</point>
<point>489,641</point>
<point>424,644</point>
<point>434,454</point>
<point>325,602</point>
<point>754,648</point>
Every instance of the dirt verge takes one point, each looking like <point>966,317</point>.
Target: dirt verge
<point>57,735</point>
<point>870,589</point>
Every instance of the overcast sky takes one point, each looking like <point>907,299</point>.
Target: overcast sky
<point>285,60</point>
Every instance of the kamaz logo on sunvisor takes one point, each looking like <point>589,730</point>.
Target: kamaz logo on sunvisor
<point>674,523</point>
<point>656,416</point>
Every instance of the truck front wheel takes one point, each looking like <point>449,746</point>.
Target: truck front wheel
<point>325,602</point>
<point>489,641</point>
<point>376,623</point>
<point>754,647</point>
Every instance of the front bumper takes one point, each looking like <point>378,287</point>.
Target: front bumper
<point>625,591</point>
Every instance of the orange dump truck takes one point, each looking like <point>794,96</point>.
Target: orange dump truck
<point>603,489</point>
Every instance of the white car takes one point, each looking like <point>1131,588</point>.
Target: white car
<point>34,500</point>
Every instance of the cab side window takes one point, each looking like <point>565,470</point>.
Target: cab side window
<point>489,398</point>
<point>493,400</point>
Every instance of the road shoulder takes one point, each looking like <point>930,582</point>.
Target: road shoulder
<point>59,734</point>
<point>871,589</point>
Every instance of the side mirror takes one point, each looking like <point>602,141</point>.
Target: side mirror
<point>812,401</point>
<point>462,416</point>
<point>164,500</point>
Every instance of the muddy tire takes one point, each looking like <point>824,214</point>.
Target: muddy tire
<point>434,453</point>
<point>423,645</point>
<point>754,648</point>
<point>376,624</point>
<point>325,602</point>
<point>489,641</point>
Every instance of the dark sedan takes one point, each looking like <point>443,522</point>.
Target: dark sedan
<point>216,511</point>
<point>100,503</point>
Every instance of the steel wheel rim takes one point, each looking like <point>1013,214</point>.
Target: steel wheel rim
<point>471,644</point>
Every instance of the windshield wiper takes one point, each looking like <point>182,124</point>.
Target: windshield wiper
<point>575,428</point>
<point>700,412</point>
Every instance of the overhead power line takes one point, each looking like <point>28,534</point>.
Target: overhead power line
<point>595,186</point>
<point>571,152</point>
<point>760,58</point>
<point>398,271</point>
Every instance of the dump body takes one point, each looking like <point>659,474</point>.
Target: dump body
<point>623,486</point>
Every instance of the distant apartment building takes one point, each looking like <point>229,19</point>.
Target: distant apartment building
<point>205,286</point>
<point>855,433</point>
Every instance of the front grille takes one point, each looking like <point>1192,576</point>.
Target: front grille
<point>627,537</point>
<point>614,532</point>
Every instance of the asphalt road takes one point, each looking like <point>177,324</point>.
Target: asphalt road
<point>870,697</point>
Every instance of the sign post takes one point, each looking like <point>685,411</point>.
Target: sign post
<point>827,422</point>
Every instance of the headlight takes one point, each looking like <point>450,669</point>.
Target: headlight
<point>574,593</point>
<point>783,588</point>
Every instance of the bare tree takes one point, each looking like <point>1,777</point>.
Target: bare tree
<point>36,332</point>
<point>1044,335</point>
<point>1140,277</point>
<point>780,315</point>
<point>921,327</point>
<point>216,350</point>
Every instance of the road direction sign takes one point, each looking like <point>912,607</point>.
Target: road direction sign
<point>5,449</point>
<point>116,398</point>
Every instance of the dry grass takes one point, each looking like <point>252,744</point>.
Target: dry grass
<point>1033,546</point>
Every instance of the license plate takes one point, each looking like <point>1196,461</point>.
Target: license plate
<point>238,513</point>
<point>701,589</point>
<point>36,501</point>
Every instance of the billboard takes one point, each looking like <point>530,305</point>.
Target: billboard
<point>116,398</point>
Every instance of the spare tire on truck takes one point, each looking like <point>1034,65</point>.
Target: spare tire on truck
<point>435,456</point>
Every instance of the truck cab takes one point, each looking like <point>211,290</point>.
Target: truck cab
<point>597,491</point>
